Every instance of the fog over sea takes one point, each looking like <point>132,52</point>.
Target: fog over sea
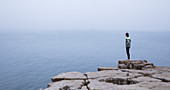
<point>29,59</point>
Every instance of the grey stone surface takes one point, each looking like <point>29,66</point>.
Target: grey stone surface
<point>154,85</point>
<point>146,79</point>
<point>131,87</point>
<point>165,77</point>
<point>83,88</point>
<point>69,84</point>
<point>110,78</point>
<point>69,76</point>
<point>102,74</point>
<point>96,85</point>
<point>144,72</point>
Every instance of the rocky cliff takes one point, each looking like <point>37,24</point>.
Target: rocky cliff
<point>130,75</point>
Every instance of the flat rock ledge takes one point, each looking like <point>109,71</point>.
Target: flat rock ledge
<point>130,75</point>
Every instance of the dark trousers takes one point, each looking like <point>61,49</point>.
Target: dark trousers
<point>127,51</point>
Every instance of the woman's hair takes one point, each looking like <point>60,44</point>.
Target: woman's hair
<point>127,34</point>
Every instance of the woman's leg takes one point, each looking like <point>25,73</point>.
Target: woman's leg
<point>127,51</point>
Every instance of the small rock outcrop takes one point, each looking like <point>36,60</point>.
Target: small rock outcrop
<point>134,64</point>
<point>130,75</point>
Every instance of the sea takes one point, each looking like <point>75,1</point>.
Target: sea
<point>29,59</point>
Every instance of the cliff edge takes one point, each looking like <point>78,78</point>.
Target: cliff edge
<point>130,75</point>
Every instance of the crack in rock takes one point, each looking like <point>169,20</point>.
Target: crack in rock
<point>162,79</point>
<point>86,82</point>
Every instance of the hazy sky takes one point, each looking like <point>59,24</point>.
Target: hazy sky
<point>141,15</point>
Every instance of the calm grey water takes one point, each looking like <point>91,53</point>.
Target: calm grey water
<point>28,60</point>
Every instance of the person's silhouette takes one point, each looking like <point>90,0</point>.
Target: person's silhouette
<point>128,45</point>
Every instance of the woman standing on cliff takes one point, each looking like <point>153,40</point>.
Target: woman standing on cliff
<point>128,44</point>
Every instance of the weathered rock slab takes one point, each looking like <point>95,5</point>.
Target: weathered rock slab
<point>146,79</point>
<point>102,74</point>
<point>143,72</point>
<point>131,87</point>
<point>165,77</point>
<point>96,85</point>
<point>66,85</point>
<point>154,85</point>
<point>69,76</point>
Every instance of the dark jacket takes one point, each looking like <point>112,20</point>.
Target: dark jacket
<point>128,42</point>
